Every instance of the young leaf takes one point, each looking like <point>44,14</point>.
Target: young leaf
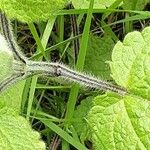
<point>99,51</point>
<point>130,63</point>
<point>16,133</point>
<point>98,4</point>
<point>115,122</point>
<point>30,10</point>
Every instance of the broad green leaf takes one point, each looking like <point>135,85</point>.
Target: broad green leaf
<point>98,52</point>
<point>12,97</point>
<point>6,59</point>
<point>31,10</point>
<point>130,64</point>
<point>98,4</point>
<point>135,4</point>
<point>117,123</point>
<point>16,133</point>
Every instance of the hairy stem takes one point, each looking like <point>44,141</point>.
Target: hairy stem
<point>8,34</point>
<point>9,81</point>
<point>59,70</point>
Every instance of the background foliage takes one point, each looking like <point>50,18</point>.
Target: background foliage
<point>109,40</point>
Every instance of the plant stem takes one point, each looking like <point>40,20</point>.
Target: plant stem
<point>59,70</point>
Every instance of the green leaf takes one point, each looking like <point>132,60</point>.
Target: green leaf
<point>98,4</point>
<point>135,4</point>
<point>31,10</point>
<point>16,133</point>
<point>117,123</point>
<point>99,51</point>
<point>6,59</point>
<point>12,97</point>
<point>80,114</point>
<point>130,64</point>
<point>114,122</point>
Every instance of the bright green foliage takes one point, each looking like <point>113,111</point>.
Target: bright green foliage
<point>12,96</point>
<point>99,4</point>
<point>6,59</point>
<point>99,51</point>
<point>115,122</point>
<point>9,97</point>
<point>121,122</point>
<point>79,117</point>
<point>135,4</point>
<point>130,64</point>
<point>16,133</point>
<point>31,10</point>
<point>6,64</point>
